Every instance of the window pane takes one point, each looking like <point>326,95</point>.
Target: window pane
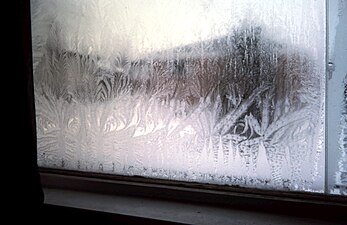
<point>223,92</point>
<point>337,99</point>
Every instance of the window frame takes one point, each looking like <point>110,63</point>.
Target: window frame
<point>182,195</point>
<point>174,190</point>
<point>186,191</point>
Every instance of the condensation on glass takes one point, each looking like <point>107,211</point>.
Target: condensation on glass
<point>340,184</point>
<point>337,100</point>
<point>223,92</point>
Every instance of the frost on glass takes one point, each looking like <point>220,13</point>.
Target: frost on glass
<point>224,92</point>
<point>337,100</point>
<point>341,174</point>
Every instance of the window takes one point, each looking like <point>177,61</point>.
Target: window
<point>217,92</point>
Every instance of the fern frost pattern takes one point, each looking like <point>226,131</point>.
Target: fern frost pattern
<point>238,108</point>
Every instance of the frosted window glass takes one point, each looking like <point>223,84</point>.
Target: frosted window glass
<point>336,161</point>
<point>222,92</point>
<point>340,178</point>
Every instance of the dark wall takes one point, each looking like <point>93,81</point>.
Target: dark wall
<point>24,184</point>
